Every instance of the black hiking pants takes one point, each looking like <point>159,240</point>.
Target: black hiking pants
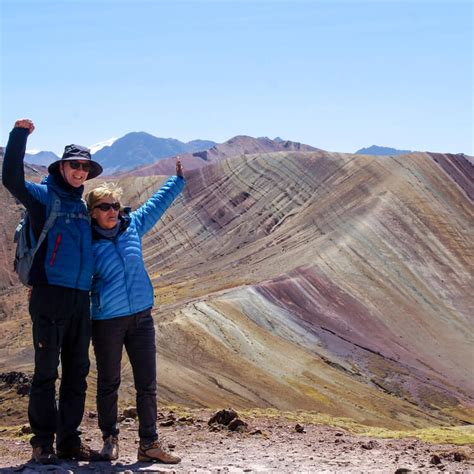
<point>137,333</point>
<point>61,332</point>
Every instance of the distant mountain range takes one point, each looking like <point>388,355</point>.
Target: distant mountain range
<point>381,150</point>
<point>43,158</point>
<point>157,155</point>
<point>236,146</point>
<point>128,152</point>
<point>140,148</point>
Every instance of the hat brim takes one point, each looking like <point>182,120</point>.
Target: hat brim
<point>96,168</point>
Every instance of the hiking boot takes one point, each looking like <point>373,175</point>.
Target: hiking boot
<point>110,450</point>
<point>80,453</point>
<point>44,455</point>
<point>155,452</point>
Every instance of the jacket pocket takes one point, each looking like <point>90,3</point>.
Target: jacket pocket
<point>95,296</point>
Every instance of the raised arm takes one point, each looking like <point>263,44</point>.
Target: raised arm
<point>13,173</point>
<point>147,215</point>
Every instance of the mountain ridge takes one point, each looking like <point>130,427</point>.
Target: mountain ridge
<point>140,148</point>
<point>235,146</point>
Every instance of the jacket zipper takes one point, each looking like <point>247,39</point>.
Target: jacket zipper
<point>124,273</point>
<point>55,251</point>
<point>99,289</point>
<point>81,252</point>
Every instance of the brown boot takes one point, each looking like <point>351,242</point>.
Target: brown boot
<point>44,455</point>
<point>80,453</point>
<point>155,452</point>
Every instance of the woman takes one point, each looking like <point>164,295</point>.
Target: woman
<point>122,298</point>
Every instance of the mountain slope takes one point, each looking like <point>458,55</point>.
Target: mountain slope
<point>356,268</point>
<point>327,282</point>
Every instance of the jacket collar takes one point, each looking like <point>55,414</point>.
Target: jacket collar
<point>97,234</point>
<point>56,182</point>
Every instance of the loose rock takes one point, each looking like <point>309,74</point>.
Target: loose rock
<point>25,429</point>
<point>167,423</point>
<point>223,417</point>
<point>370,445</point>
<point>237,425</point>
<point>459,457</point>
<point>130,412</point>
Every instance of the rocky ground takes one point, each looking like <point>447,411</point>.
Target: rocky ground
<point>249,444</point>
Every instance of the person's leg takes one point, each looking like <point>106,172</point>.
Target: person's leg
<point>108,339</point>
<point>75,367</point>
<point>48,328</point>
<point>141,350</point>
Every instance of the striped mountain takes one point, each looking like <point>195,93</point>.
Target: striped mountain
<point>327,282</point>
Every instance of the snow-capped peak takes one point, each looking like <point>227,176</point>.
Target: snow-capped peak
<point>95,148</point>
<point>33,151</point>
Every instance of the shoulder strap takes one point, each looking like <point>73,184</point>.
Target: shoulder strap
<point>54,212</point>
<point>87,215</point>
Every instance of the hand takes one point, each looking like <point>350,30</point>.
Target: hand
<point>25,123</point>
<point>179,168</point>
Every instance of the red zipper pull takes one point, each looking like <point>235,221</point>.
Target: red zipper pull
<point>55,251</point>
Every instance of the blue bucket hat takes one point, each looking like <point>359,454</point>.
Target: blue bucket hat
<point>78,152</point>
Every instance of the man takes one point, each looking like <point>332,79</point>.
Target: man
<point>59,304</point>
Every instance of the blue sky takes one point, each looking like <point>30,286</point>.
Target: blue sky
<point>336,75</point>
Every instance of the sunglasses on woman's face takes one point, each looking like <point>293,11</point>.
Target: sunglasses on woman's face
<point>105,206</point>
<point>75,165</point>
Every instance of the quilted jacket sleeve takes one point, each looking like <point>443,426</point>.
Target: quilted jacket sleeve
<point>147,215</point>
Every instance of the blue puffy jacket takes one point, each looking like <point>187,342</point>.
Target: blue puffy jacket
<point>121,285</point>
<point>65,257</point>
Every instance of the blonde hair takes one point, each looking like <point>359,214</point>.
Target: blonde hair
<point>105,190</point>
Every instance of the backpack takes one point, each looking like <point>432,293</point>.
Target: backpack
<point>25,247</point>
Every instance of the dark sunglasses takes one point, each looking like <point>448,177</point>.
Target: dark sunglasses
<point>105,206</point>
<point>75,165</point>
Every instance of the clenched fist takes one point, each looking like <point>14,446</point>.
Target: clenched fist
<point>179,168</point>
<point>25,123</point>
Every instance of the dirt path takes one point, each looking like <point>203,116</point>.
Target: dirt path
<point>267,445</point>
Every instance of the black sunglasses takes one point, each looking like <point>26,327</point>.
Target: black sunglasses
<point>105,206</point>
<point>75,165</point>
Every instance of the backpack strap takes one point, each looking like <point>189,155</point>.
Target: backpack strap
<point>53,214</point>
<point>87,215</point>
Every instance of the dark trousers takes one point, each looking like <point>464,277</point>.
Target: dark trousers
<point>137,333</point>
<point>61,331</point>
